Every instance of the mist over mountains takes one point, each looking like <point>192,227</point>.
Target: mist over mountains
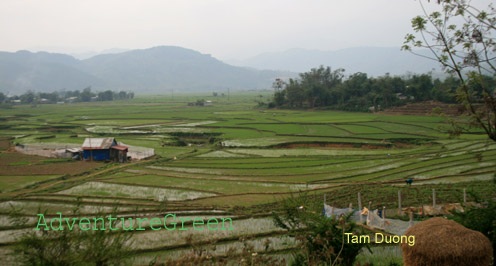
<point>161,69</point>
<point>375,61</point>
<point>90,54</point>
<point>154,70</point>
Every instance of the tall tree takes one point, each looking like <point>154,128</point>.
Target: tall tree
<point>27,97</point>
<point>107,95</point>
<point>86,95</point>
<point>123,95</point>
<point>278,84</point>
<point>420,87</point>
<point>445,91</point>
<point>318,82</point>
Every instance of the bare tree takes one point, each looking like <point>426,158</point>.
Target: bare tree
<point>461,38</point>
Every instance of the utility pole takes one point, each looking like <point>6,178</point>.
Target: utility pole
<point>173,94</point>
<point>227,94</point>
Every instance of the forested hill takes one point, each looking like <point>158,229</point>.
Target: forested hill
<point>155,70</point>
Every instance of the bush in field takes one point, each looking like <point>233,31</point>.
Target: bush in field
<point>178,142</point>
<point>321,239</point>
<point>70,247</point>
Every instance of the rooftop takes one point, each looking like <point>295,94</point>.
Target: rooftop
<point>98,143</point>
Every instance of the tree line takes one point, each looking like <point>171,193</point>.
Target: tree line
<point>326,88</point>
<point>86,95</point>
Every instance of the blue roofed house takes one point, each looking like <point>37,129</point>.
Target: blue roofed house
<point>104,149</point>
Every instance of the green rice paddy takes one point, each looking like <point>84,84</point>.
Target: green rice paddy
<point>233,160</point>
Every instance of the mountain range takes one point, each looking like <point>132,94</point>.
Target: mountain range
<point>153,70</point>
<point>375,61</point>
<point>164,68</point>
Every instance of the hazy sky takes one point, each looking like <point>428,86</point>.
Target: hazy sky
<point>227,29</point>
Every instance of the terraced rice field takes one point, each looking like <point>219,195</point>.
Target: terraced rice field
<point>229,160</point>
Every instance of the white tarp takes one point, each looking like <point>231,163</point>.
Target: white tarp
<point>393,226</point>
<point>138,153</point>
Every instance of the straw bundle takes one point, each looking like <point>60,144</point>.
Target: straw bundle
<point>439,241</point>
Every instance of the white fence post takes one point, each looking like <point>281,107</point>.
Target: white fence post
<point>384,217</point>
<point>434,198</point>
<point>360,205</point>
<point>411,219</point>
<point>400,211</point>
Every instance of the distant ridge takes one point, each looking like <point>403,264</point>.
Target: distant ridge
<point>375,61</point>
<point>153,70</point>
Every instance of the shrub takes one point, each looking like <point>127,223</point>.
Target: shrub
<point>321,239</point>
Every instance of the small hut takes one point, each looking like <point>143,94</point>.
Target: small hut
<point>440,242</point>
<point>104,149</point>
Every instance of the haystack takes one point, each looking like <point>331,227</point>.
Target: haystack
<point>439,242</point>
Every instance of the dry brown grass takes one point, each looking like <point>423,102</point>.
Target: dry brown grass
<point>13,163</point>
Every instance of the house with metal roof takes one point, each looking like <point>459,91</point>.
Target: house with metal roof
<point>104,149</point>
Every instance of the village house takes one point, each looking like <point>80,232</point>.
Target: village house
<point>401,96</point>
<point>71,99</point>
<point>104,149</point>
